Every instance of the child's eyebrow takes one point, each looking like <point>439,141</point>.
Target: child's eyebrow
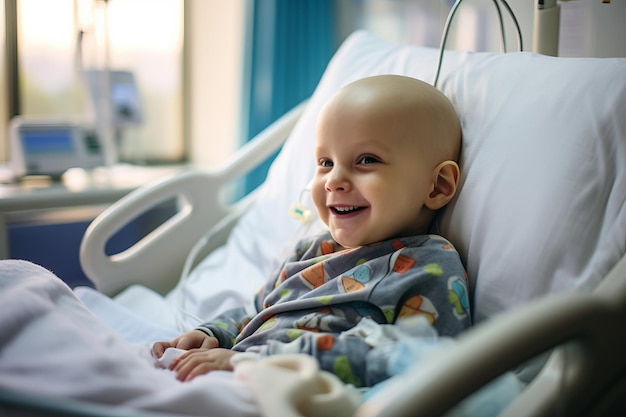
<point>369,146</point>
<point>319,150</point>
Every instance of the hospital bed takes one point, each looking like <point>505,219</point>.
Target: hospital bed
<point>539,220</point>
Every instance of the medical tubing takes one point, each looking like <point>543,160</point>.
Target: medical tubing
<point>444,39</point>
<point>503,47</point>
<point>446,30</point>
<point>520,42</point>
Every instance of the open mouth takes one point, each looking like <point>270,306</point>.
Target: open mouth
<point>342,211</point>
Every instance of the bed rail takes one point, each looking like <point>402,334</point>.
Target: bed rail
<point>156,260</point>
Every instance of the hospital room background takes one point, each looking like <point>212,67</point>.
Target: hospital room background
<point>205,77</point>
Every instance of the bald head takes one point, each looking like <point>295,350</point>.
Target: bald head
<point>385,149</point>
<point>412,108</point>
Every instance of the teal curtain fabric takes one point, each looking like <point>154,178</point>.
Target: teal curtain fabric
<point>291,44</point>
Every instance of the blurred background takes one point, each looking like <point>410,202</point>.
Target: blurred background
<point>199,78</point>
<point>211,74</point>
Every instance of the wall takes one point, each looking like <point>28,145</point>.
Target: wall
<point>474,27</point>
<point>214,38</point>
<point>3,91</point>
<point>589,28</point>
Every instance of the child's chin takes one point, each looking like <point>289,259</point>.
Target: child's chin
<point>343,242</point>
<point>353,243</point>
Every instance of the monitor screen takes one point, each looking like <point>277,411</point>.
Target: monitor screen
<point>48,141</point>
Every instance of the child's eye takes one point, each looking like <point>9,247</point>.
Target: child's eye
<point>368,160</point>
<point>325,163</point>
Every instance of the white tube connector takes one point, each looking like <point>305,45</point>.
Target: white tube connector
<point>546,29</point>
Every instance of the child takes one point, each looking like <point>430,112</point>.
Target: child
<point>385,149</point>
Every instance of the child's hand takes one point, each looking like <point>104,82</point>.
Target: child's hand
<point>194,339</point>
<point>201,361</point>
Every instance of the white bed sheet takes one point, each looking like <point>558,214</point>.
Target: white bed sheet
<point>51,345</point>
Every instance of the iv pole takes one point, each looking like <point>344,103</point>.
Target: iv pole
<point>105,117</point>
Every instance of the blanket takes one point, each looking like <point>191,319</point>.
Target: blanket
<point>52,345</point>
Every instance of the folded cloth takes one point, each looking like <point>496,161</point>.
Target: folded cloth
<point>168,356</point>
<point>298,387</point>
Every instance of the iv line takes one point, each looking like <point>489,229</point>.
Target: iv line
<point>446,30</point>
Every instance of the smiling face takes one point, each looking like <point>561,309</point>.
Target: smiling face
<point>383,152</point>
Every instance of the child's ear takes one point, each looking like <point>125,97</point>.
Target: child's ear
<point>444,187</point>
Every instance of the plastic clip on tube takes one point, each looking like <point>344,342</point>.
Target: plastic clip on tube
<point>546,29</point>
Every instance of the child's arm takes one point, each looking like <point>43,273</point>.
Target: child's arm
<point>228,326</point>
<point>203,353</point>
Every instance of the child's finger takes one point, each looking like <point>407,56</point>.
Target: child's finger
<point>158,348</point>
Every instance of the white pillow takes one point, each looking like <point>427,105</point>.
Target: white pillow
<point>541,207</point>
<point>542,203</point>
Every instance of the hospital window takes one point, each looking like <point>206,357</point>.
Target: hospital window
<point>59,41</point>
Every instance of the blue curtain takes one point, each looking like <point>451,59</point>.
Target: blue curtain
<point>291,44</point>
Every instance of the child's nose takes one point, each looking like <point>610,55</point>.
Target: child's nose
<point>337,181</point>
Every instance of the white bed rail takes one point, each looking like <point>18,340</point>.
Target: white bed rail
<point>156,260</point>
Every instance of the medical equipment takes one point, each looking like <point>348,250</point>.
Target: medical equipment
<point>49,146</point>
<point>116,104</point>
<point>539,220</point>
<point>547,23</point>
<point>123,101</point>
